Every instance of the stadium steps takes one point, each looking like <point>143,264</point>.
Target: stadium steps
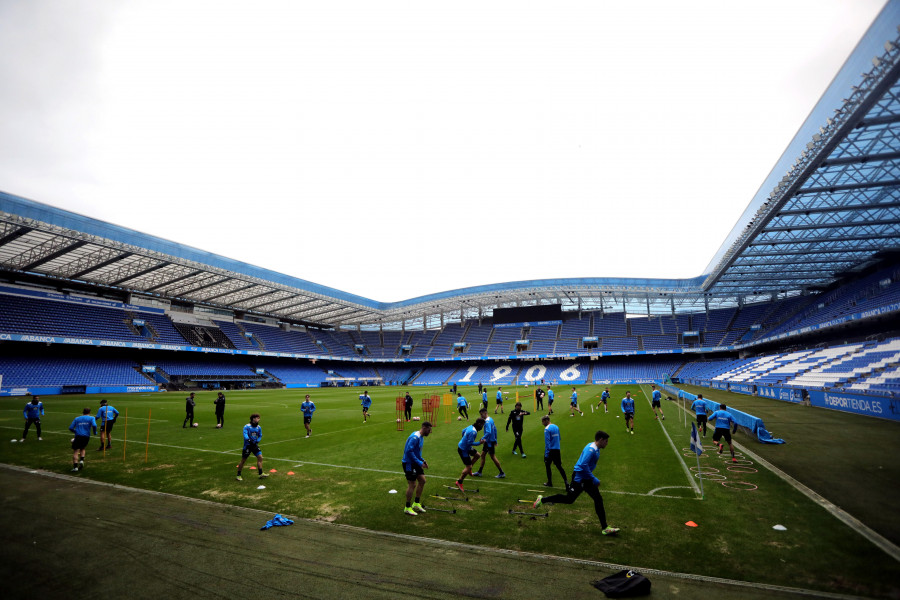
<point>146,376</point>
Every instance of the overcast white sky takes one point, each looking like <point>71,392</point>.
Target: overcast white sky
<point>397,148</point>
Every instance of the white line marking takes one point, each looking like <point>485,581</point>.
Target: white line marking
<point>678,454</point>
<point>350,467</point>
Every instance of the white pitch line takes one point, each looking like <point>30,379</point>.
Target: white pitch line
<point>297,461</point>
<point>678,454</point>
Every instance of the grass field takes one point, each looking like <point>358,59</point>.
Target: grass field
<point>345,471</point>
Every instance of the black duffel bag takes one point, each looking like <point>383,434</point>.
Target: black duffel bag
<point>624,584</point>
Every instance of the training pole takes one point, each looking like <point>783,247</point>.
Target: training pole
<point>147,449</point>
<point>125,436</point>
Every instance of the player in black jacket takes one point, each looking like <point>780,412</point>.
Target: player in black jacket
<point>517,420</point>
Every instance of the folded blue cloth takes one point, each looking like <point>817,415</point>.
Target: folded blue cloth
<point>278,521</point>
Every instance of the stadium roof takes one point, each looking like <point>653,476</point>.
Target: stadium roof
<point>829,208</point>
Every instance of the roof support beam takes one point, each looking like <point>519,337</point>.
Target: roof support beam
<point>52,255</point>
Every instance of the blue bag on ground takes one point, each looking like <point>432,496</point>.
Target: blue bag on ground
<point>624,584</point>
<point>278,521</point>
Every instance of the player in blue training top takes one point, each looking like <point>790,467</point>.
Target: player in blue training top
<point>308,408</point>
<point>656,402</point>
<point>628,409</point>
<point>413,465</point>
<point>550,398</point>
<point>252,435</point>
<point>604,399</point>
<point>573,403</point>
<point>583,480</point>
<point>490,445</point>
<point>81,427</point>
<point>107,415</point>
<point>32,413</point>
<point>552,451</point>
<point>699,408</point>
<point>499,400</point>
<point>462,406</point>
<point>484,400</point>
<point>366,402</point>
<point>466,449</point>
<point>725,426</point>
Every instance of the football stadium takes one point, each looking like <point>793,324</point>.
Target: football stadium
<point>155,354</point>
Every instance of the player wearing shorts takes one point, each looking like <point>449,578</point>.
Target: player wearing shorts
<point>413,468</point>
<point>81,427</point>
<point>573,403</point>
<point>550,397</point>
<point>107,415</point>
<point>499,400</point>
<point>466,448</point>
<point>252,435</point>
<point>604,399</point>
<point>725,427</point>
<point>366,402</point>
<point>490,445</point>
<point>628,409</point>
<point>552,454</point>
<point>583,480</point>
<point>462,406</point>
<point>308,408</point>
<point>32,413</point>
<point>699,408</point>
<point>656,402</point>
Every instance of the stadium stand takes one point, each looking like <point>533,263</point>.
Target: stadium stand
<point>37,372</point>
<point>35,316</point>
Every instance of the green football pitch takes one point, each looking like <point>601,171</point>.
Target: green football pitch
<point>348,472</point>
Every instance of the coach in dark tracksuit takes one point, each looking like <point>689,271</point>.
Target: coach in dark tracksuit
<point>517,420</point>
<point>189,405</point>
<point>220,410</point>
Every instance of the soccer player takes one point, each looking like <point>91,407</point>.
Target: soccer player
<point>462,405</point>
<point>550,397</point>
<point>656,402</point>
<point>539,399</point>
<point>308,408</point>
<point>604,399</point>
<point>252,435</point>
<point>220,410</point>
<point>408,404</point>
<point>552,452</point>
<point>573,403</point>
<point>32,413</point>
<point>725,426</point>
<point>583,480</point>
<point>366,402</point>
<point>108,416</point>
<point>81,427</point>
<point>699,408</point>
<point>413,465</point>
<point>628,409</point>
<point>466,449</point>
<point>490,445</point>
<point>517,419</point>
<point>484,400</point>
<point>189,405</point>
<point>499,400</point>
